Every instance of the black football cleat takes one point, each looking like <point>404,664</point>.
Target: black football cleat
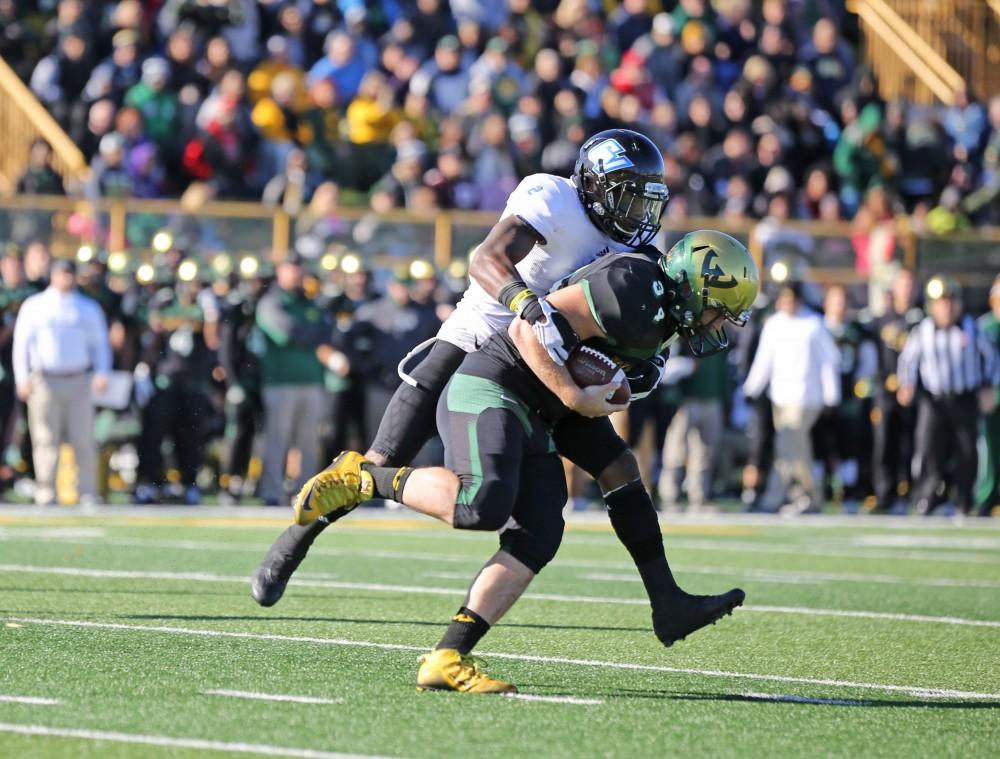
<point>679,616</point>
<point>269,580</point>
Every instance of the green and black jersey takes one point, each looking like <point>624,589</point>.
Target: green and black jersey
<point>629,297</point>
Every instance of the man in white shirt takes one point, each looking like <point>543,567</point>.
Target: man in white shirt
<point>61,352</point>
<point>797,363</point>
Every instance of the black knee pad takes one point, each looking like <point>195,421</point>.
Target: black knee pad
<point>489,510</point>
<point>532,550</point>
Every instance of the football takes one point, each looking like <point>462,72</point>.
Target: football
<point>588,366</point>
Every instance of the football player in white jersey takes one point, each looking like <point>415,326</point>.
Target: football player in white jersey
<point>550,227</point>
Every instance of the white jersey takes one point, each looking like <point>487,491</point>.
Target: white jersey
<point>552,207</point>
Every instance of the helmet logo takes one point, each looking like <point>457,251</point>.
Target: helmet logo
<point>713,273</point>
<point>608,155</point>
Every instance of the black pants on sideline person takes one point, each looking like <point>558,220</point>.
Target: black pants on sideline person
<point>945,450</point>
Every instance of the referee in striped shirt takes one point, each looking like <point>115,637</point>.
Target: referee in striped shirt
<point>955,368</point>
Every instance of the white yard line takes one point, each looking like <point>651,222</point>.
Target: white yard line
<point>803,699</point>
<point>415,589</point>
<point>911,690</point>
<point>674,543</point>
<point>254,696</point>
<point>791,576</point>
<point>555,699</point>
<point>199,744</point>
<point>33,700</point>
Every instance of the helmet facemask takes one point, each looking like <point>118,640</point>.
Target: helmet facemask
<point>637,208</point>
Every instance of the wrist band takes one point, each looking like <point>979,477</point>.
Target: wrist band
<point>517,301</point>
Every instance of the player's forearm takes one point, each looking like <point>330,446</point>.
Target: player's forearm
<point>556,378</point>
<point>493,265</point>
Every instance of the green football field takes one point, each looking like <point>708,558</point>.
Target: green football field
<point>132,634</point>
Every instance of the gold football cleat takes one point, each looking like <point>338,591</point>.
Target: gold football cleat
<point>335,491</point>
<point>447,669</point>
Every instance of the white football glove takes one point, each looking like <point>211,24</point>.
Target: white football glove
<point>555,334</point>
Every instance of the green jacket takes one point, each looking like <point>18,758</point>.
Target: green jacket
<point>293,327</point>
<point>159,111</point>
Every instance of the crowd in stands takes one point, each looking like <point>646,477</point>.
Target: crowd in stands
<point>762,108</point>
<point>223,370</point>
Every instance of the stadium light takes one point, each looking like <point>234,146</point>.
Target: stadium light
<point>421,269</point>
<point>779,271</point>
<point>249,266</point>
<point>350,264</point>
<point>458,269</point>
<point>145,274</point>
<point>329,262</point>
<point>187,270</point>
<point>117,261</point>
<point>85,254</point>
<point>163,241</point>
<point>935,288</point>
<point>222,264</point>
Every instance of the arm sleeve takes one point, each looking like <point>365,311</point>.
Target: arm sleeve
<point>23,334</point>
<point>97,337</point>
<point>273,321</point>
<point>990,360</point>
<point>759,375</point>
<point>829,368</point>
<point>909,359</point>
<point>537,201</point>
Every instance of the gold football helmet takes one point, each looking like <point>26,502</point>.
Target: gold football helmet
<point>717,281</point>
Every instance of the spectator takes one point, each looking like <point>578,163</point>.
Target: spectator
<point>100,121</point>
<point>291,378</point>
<point>216,154</point>
<point>956,366</point>
<point>40,178</point>
<point>109,175</point>
<point>278,62</point>
<point>61,353</point>
<point>442,78</point>
<point>341,66</point>
<point>830,61</point>
<point>118,73</point>
<point>277,119</point>
<point>13,293</point>
<point>157,104</point>
<point>796,364</point>
<point>965,123</point>
<point>291,188</point>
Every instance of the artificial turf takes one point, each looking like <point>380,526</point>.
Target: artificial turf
<point>916,676</point>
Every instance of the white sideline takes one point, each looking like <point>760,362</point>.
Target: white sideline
<point>164,740</point>
<point>34,700</point>
<point>676,542</point>
<point>412,589</point>
<point>911,690</point>
<point>254,696</point>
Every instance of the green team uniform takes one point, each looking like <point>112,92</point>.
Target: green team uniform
<point>495,416</point>
<point>987,494</point>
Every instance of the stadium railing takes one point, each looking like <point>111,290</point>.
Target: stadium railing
<point>824,252</point>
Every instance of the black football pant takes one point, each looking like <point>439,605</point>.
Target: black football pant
<point>947,429</point>
<point>409,419</point>
<point>893,449</point>
<point>177,412</point>
<point>247,419</point>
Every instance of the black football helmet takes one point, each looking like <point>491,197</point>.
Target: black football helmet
<point>619,175</point>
